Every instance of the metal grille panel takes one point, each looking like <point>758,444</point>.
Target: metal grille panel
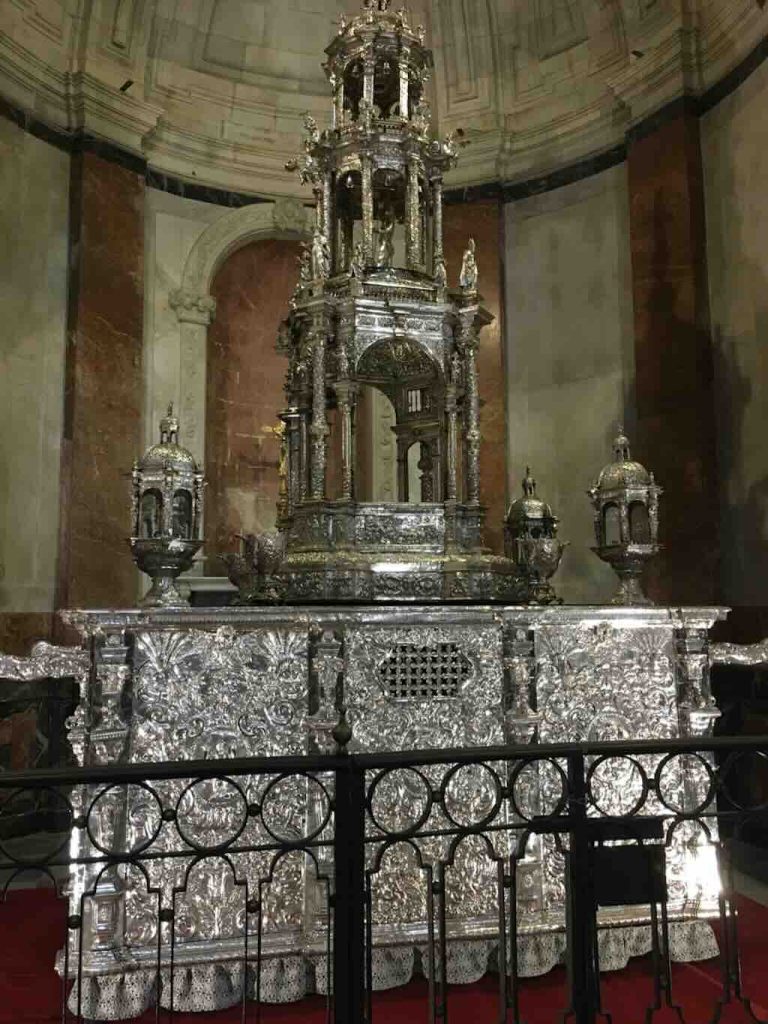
<point>424,672</point>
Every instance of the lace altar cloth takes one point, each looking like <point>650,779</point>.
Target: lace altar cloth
<point>288,979</point>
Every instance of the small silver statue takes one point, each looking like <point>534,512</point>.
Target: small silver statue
<point>468,275</point>
<point>305,265</point>
<point>313,132</point>
<point>357,263</point>
<point>385,250</point>
<point>365,115</point>
<point>422,115</point>
<point>321,256</point>
<point>441,274</point>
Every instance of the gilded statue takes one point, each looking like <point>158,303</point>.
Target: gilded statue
<point>385,251</point>
<point>468,275</point>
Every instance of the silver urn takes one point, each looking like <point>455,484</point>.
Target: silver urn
<point>625,502</point>
<point>167,515</point>
<point>531,542</point>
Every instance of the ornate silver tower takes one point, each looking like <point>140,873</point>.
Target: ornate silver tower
<point>372,310</point>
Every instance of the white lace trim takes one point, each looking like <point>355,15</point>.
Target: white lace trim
<point>205,987</point>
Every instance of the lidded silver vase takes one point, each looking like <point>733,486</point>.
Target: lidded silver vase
<point>625,500</point>
<point>166,511</point>
<point>530,541</point>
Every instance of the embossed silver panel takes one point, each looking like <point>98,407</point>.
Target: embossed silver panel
<point>237,681</point>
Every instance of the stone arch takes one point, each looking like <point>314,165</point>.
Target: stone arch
<point>195,307</point>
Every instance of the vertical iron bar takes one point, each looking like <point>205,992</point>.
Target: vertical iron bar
<point>431,944</point>
<point>513,962</point>
<point>171,965</point>
<point>665,948</point>
<point>65,976</point>
<point>328,953</point>
<point>80,930</point>
<point>503,967</point>
<point>368,947</point>
<point>158,958</point>
<point>258,951</point>
<point>244,1011</point>
<point>441,1009</point>
<point>349,903</point>
<point>656,954</point>
<point>580,921</point>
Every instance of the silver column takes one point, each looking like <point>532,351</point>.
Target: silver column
<point>345,393</point>
<point>450,455</point>
<point>319,428</point>
<point>403,69</point>
<point>367,202</point>
<point>472,432</point>
<point>413,217</point>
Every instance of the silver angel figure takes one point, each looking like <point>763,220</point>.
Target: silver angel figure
<point>468,275</point>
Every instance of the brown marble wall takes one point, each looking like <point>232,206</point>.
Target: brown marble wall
<point>245,392</point>
<point>483,222</point>
<point>19,630</point>
<point>675,433</point>
<point>103,383</point>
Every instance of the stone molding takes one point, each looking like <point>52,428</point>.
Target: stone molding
<point>286,218</point>
<point>195,307</point>
<point>532,96</point>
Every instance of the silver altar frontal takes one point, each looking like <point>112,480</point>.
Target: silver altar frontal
<point>175,685</point>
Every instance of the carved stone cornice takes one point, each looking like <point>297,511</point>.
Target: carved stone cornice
<point>527,110</point>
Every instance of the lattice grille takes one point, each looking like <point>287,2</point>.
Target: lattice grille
<point>423,672</point>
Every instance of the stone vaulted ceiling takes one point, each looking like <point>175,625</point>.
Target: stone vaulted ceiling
<point>219,87</point>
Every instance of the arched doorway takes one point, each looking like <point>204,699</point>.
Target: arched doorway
<point>244,392</point>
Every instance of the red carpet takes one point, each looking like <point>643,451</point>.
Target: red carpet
<point>32,927</point>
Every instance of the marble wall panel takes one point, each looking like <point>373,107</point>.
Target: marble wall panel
<point>569,357</point>
<point>103,382</point>
<point>482,221</point>
<point>245,392</point>
<point>734,137</point>
<point>675,434</point>
<point>34,184</point>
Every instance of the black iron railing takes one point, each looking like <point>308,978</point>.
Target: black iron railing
<point>246,863</point>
